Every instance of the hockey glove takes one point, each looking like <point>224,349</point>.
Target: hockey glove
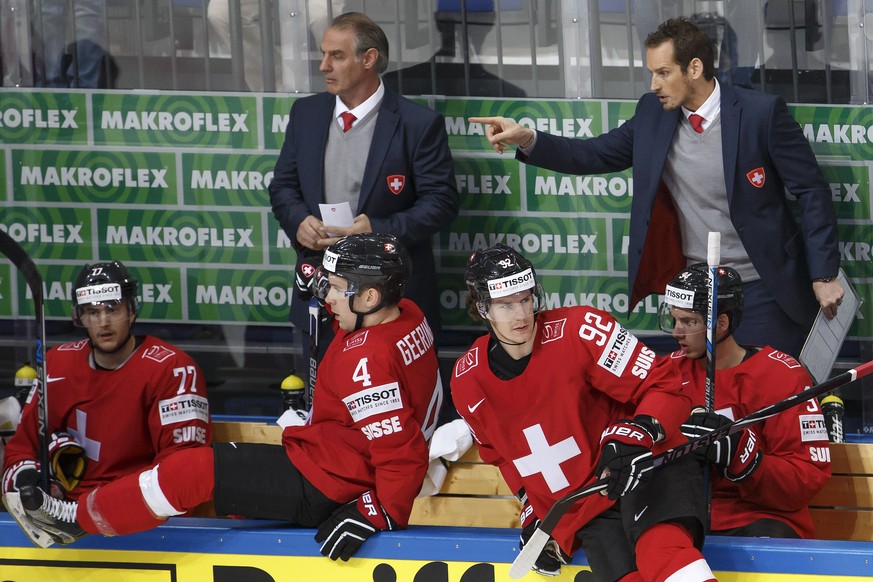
<point>351,525</point>
<point>552,556</point>
<point>304,275</point>
<point>67,461</point>
<point>21,474</point>
<point>737,455</point>
<point>626,454</point>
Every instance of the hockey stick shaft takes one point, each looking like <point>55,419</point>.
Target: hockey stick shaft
<point>19,257</point>
<point>532,549</point>
<point>314,329</point>
<point>713,257</point>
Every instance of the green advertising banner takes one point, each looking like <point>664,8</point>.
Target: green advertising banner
<point>488,183</point>
<point>43,117</point>
<point>49,232</point>
<point>850,189</point>
<point>6,290</point>
<point>549,191</point>
<point>837,131</point>
<point>564,243</point>
<point>181,236</point>
<point>175,184</point>
<point>579,119</point>
<point>94,177</point>
<point>250,295</point>
<point>180,120</point>
<point>159,298</point>
<point>282,253</point>
<point>231,180</point>
<point>275,120</point>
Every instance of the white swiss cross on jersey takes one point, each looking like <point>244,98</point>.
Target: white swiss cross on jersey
<point>546,458</point>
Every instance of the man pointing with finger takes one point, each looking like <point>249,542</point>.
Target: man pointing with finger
<point>688,121</point>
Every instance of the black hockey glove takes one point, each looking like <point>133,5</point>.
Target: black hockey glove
<point>626,454</point>
<point>67,461</point>
<point>304,276</point>
<point>552,556</point>
<point>737,455</point>
<point>351,525</point>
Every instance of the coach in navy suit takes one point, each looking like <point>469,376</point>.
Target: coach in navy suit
<point>391,161</point>
<point>681,193</point>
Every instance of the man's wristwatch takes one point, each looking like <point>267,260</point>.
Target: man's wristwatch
<point>823,280</point>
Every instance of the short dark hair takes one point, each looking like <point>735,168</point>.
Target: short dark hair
<point>689,42</point>
<point>368,35</point>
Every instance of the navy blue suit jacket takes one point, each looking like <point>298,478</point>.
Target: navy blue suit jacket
<point>758,133</point>
<point>409,141</point>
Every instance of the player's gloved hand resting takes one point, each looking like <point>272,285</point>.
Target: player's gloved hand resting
<point>304,276</point>
<point>552,556</point>
<point>67,460</point>
<point>626,451</point>
<point>351,525</point>
<point>737,455</point>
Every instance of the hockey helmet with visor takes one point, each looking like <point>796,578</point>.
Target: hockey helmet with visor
<point>689,290</point>
<point>99,291</point>
<point>501,272</point>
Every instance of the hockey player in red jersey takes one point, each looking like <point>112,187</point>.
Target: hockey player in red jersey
<point>558,398</point>
<point>356,465</point>
<point>118,404</point>
<point>766,474</point>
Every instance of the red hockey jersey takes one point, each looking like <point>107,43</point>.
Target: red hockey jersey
<point>543,428</point>
<point>796,461</point>
<point>377,397</point>
<point>127,419</point>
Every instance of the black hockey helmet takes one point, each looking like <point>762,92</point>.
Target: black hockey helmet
<point>367,260</point>
<point>500,271</point>
<point>689,290</point>
<point>107,282</point>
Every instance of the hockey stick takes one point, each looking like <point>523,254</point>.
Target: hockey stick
<point>314,328</point>
<point>28,270</point>
<point>532,549</point>
<point>713,257</point>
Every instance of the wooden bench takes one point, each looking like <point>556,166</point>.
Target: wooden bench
<point>843,509</point>
<point>475,495</point>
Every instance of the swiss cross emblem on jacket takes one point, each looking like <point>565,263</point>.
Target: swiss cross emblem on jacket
<point>396,182</point>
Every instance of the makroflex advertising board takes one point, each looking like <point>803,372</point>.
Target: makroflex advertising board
<point>174,184</point>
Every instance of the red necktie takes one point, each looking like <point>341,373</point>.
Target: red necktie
<point>348,119</point>
<point>696,122</point>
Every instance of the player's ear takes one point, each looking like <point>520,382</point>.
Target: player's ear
<point>723,323</point>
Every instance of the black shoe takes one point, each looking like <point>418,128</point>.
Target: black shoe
<point>54,516</point>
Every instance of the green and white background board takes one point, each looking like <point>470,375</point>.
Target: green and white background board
<point>174,185</point>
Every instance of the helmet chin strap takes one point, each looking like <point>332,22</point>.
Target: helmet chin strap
<point>359,321</point>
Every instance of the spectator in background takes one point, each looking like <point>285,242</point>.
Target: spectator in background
<point>118,404</point>
<point>390,161</point>
<point>65,62</point>
<point>765,475</point>
<point>789,267</point>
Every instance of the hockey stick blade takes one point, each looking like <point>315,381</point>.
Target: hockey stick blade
<point>531,551</point>
<point>13,251</point>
